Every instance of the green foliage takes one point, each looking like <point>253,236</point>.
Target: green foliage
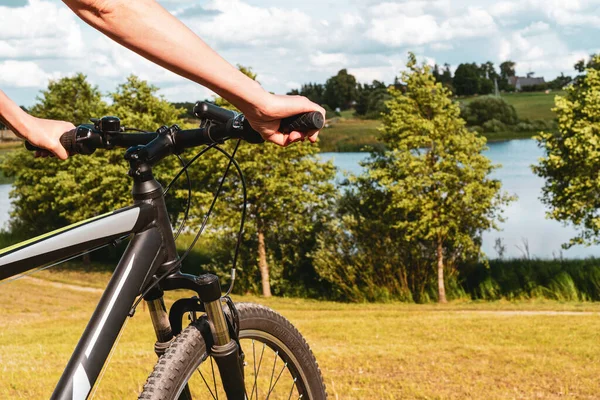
<point>570,166</point>
<point>471,79</point>
<point>430,189</point>
<point>559,279</point>
<point>70,99</point>
<point>290,196</point>
<point>444,77</point>
<point>371,100</point>
<point>49,193</point>
<point>315,92</point>
<point>340,90</point>
<point>483,109</point>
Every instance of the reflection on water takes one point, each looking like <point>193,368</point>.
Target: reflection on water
<point>4,204</point>
<point>525,217</point>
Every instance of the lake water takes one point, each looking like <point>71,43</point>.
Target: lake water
<point>525,217</point>
<point>4,204</point>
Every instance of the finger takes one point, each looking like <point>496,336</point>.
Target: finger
<point>279,139</point>
<point>295,136</point>
<point>60,152</point>
<point>313,135</point>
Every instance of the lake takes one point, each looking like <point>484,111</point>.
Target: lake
<point>525,217</point>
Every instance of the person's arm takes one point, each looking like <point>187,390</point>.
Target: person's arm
<point>151,31</point>
<point>40,132</point>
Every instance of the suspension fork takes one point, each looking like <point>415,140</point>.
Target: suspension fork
<point>225,349</point>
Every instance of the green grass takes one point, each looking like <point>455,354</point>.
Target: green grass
<point>533,106</point>
<point>366,351</point>
<point>351,134</point>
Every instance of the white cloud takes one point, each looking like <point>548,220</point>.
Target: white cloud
<point>392,27</point>
<point>40,29</point>
<point>328,59</point>
<point>24,74</point>
<point>504,8</point>
<point>239,24</point>
<point>186,92</point>
<point>535,27</point>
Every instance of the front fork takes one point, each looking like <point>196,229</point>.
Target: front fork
<point>224,349</point>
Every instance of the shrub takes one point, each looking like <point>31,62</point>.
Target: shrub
<point>487,108</point>
<point>494,126</point>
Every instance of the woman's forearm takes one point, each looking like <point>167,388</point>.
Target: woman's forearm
<point>12,115</point>
<point>151,31</point>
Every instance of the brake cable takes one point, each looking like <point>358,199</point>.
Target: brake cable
<point>178,263</point>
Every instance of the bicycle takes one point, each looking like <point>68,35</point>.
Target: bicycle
<point>219,330</point>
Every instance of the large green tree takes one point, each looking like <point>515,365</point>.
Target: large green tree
<point>340,90</point>
<point>433,178</point>
<point>49,193</point>
<point>290,193</point>
<point>571,166</point>
<point>436,171</point>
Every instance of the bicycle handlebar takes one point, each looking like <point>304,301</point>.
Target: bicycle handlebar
<point>223,125</point>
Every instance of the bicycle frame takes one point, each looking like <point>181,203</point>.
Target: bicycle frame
<point>144,254</point>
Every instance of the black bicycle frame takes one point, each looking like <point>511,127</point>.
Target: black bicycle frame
<point>152,245</point>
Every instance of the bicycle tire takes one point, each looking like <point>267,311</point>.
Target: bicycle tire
<point>188,352</point>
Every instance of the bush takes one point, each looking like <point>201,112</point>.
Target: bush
<point>476,129</point>
<point>329,113</point>
<point>524,127</point>
<point>536,88</point>
<point>487,108</point>
<point>563,280</point>
<point>494,126</point>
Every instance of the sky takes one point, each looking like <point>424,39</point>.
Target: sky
<point>293,42</point>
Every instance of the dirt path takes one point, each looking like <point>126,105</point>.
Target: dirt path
<point>60,285</point>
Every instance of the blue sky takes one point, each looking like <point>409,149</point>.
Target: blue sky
<point>292,42</point>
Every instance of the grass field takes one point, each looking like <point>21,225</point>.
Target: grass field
<point>350,134</point>
<point>497,350</point>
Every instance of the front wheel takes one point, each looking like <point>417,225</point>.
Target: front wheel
<point>278,363</point>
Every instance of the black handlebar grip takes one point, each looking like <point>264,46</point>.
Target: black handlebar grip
<point>206,110</point>
<point>67,140</point>
<point>302,122</point>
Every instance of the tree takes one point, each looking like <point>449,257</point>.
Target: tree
<point>290,193</point>
<point>570,166</point>
<point>315,92</point>
<point>507,70</point>
<point>466,79</point>
<point>70,99</point>
<point>49,193</point>
<point>371,100</point>
<point>340,90</point>
<point>434,172</point>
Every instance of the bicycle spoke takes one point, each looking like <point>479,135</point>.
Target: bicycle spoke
<point>254,366</point>
<point>272,373</point>
<point>276,380</point>
<point>212,366</point>
<point>256,371</point>
<point>206,383</point>
<point>292,389</point>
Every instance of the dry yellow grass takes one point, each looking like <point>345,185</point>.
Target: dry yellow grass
<point>366,351</point>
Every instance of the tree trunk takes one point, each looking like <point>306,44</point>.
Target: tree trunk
<point>441,286</point>
<point>263,266</point>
